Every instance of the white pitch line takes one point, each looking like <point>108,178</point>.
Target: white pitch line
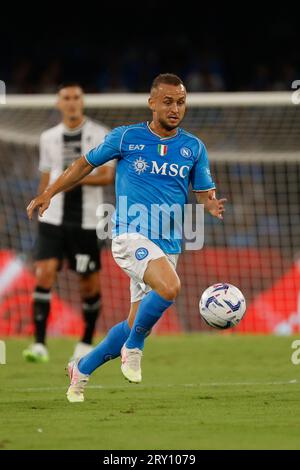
<point>211,384</point>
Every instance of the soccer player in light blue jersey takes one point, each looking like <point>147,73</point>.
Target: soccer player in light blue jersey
<point>157,162</point>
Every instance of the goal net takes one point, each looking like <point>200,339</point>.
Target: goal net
<point>253,142</point>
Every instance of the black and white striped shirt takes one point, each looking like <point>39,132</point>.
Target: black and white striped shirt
<point>59,147</point>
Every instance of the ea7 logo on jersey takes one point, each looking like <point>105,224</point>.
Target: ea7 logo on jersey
<point>136,147</point>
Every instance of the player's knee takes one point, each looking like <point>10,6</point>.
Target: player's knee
<point>45,283</point>
<point>45,278</point>
<point>170,290</point>
<point>89,285</point>
<point>88,288</point>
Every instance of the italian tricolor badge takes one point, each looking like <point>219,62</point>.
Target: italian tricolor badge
<point>162,149</point>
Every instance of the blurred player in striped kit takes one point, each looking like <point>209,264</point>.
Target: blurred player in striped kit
<point>68,228</point>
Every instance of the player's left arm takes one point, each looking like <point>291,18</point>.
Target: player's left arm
<point>204,186</point>
<point>213,205</point>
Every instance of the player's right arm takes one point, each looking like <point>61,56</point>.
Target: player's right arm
<point>45,163</point>
<point>80,168</point>
<point>65,181</point>
<point>44,181</point>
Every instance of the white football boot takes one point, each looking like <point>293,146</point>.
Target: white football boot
<point>36,352</point>
<point>78,382</point>
<point>131,364</point>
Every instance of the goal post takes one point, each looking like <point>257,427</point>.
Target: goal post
<point>253,142</point>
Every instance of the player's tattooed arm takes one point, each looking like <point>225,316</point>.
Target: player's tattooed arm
<point>213,205</point>
<point>72,175</point>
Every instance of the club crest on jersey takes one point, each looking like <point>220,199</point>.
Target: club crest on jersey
<point>141,253</point>
<point>185,152</point>
<point>162,150</point>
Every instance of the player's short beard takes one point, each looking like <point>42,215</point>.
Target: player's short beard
<point>168,127</point>
<point>74,117</point>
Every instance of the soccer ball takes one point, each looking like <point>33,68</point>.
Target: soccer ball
<point>222,306</point>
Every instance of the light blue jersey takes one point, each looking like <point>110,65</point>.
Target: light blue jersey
<point>153,173</point>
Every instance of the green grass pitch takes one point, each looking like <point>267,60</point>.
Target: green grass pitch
<point>198,392</point>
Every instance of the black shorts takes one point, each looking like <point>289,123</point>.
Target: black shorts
<point>79,246</point>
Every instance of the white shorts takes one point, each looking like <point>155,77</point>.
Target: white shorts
<point>132,252</point>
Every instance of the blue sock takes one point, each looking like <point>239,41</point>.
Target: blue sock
<point>109,348</point>
<point>149,312</point>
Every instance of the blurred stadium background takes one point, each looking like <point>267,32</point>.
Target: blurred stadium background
<point>253,141</point>
<point>239,76</point>
<point>110,53</point>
